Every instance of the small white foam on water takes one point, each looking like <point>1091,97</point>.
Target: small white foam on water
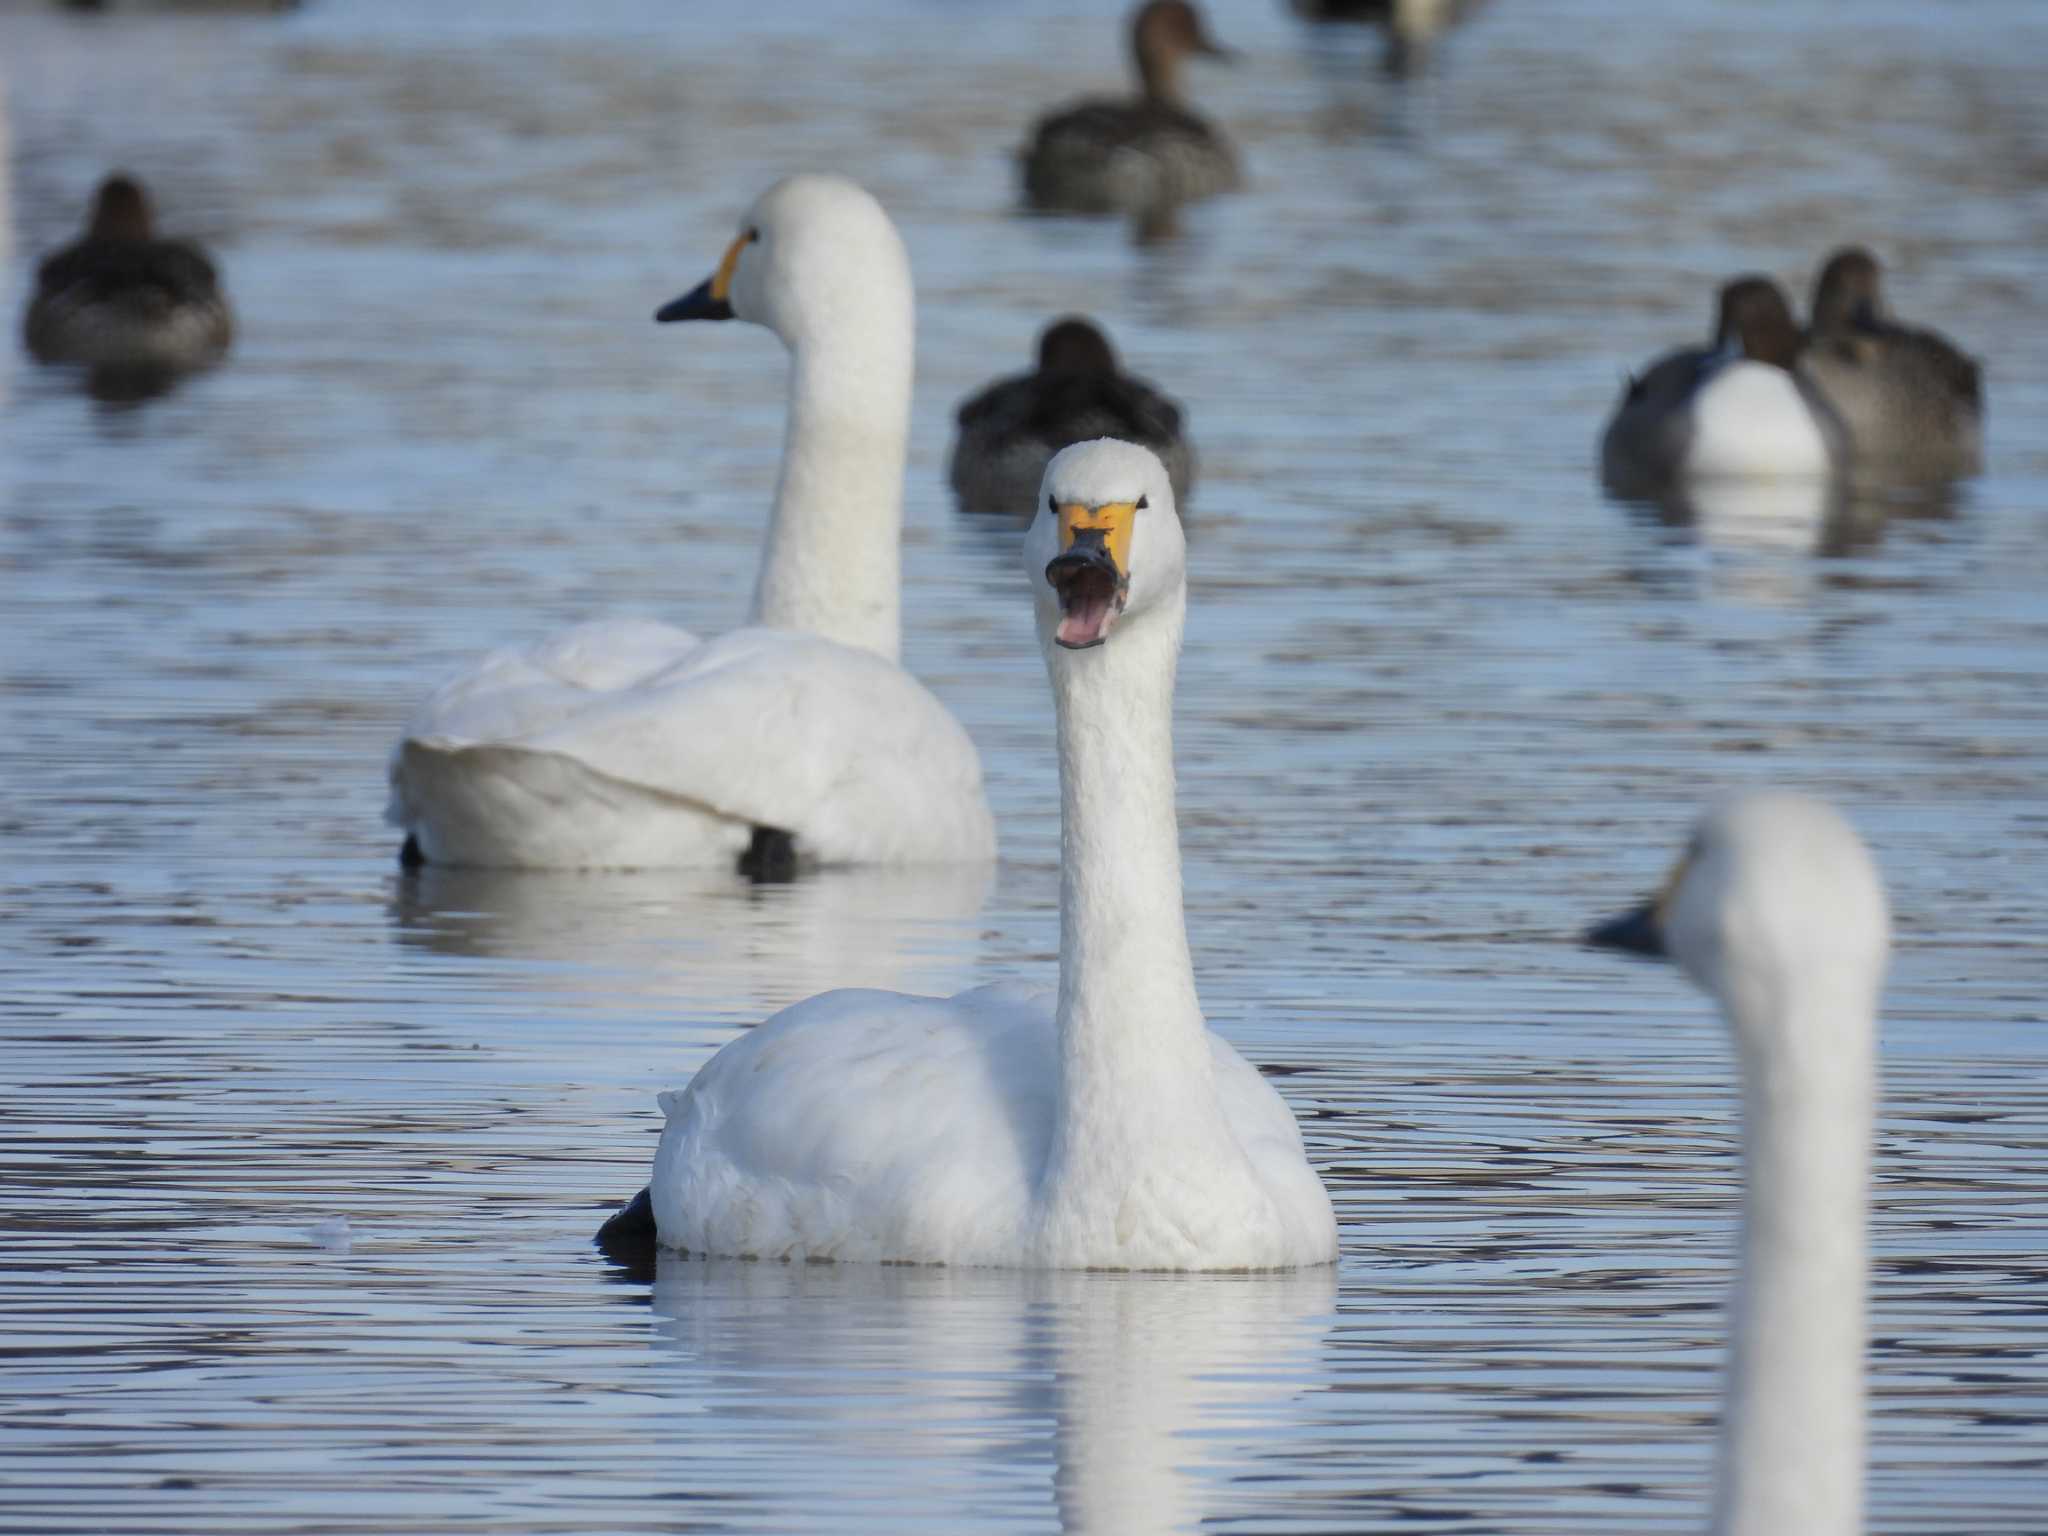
<point>333,1234</point>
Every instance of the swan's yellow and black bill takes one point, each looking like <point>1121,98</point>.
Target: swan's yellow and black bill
<point>712,298</point>
<point>1638,931</point>
<point>1092,572</point>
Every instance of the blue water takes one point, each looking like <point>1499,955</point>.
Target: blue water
<point>301,1157</point>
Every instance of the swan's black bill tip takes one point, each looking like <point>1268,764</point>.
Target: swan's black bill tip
<point>1635,932</point>
<point>697,304</point>
<point>629,1238</point>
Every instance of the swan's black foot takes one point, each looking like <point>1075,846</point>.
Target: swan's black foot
<point>628,1237</point>
<point>409,856</point>
<point>770,858</point>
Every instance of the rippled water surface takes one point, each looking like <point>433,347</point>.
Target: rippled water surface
<point>301,1158</point>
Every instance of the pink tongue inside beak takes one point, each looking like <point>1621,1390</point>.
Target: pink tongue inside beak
<point>1088,614</point>
<point>1086,619</point>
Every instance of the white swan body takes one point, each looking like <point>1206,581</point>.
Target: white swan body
<point>1104,1128</point>
<point>1778,911</point>
<point>625,743</point>
<point>631,743</point>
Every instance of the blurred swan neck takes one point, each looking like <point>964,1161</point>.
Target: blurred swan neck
<point>1791,1444</point>
<point>832,564</point>
<point>1133,1044</point>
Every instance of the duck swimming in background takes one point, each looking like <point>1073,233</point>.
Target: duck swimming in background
<point>1734,410</point>
<point>1778,911</point>
<point>1010,430</point>
<point>627,743</point>
<point>1913,402</point>
<point>1145,155</point>
<point>120,300</point>
<point>1411,26</point>
<point>1101,1127</point>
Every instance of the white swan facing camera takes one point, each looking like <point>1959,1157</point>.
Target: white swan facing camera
<point>1777,910</point>
<point>797,739</point>
<point>1101,1127</point>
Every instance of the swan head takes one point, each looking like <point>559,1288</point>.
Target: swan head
<point>813,252</point>
<point>1774,896</point>
<point>1105,544</point>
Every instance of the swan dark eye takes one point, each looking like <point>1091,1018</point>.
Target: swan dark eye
<point>1052,503</point>
<point>754,235</point>
<point>1144,502</point>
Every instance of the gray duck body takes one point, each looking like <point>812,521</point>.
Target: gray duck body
<point>1913,401</point>
<point>1010,431</point>
<point>122,299</point>
<point>1140,155</point>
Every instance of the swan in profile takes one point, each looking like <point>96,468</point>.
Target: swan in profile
<point>795,740</point>
<point>1141,155</point>
<point>1010,430</point>
<point>1912,400</point>
<point>122,300</point>
<point>1777,910</point>
<point>1104,1128</point>
<point>1734,410</point>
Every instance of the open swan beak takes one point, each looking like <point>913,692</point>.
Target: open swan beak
<point>1092,572</point>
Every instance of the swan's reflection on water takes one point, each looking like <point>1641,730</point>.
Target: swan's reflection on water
<point>1157,1389</point>
<point>672,934</point>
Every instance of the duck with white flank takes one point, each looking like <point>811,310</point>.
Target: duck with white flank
<point>1412,26</point>
<point>1144,155</point>
<point>797,739</point>
<point>1777,910</point>
<point>1733,410</point>
<point>120,300</point>
<point>1913,401</point>
<point>1010,430</point>
<point>1102,1127</point>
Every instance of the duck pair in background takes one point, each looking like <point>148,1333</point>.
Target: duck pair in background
<point>135,310</point>
<point>1009,432</point>
<point>1855,393</point>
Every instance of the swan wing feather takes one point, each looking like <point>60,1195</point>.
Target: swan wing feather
<point>761,727</point>
<point>865,1125</point>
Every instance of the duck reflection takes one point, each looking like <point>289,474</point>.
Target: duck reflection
<point>1774,537</point>
<point>1813,517</point>
<point>669,933</point>
<point>1154,1383</point>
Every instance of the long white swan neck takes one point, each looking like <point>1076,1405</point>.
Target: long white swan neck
<point>1133,1045</point>
<point>833,562</point>
<point>1791,1449</point>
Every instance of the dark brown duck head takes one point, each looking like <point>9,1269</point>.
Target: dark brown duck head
<point>1163,34</point>
<point>1755,316</point>
<point>1075,345</point>
<point>121,211</point>
<point>1848,292</point>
